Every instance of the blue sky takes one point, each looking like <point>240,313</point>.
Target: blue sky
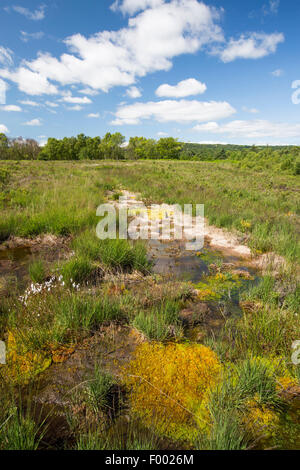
<point>212,71</point>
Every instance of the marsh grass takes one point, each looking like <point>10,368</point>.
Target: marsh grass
<point>256,379</point>
<point>37,271</point>
<point>19,432</point>
<point>64,318</point>
<point>98,390</point>
<point>226,204</point>
<point>48,200</point>
<point>131,436</point>
<point>64,197</point>
<point>159,323</point>
<point>92,255</point>
<point>21,425</point>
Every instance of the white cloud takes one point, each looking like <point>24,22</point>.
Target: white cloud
<point>250,110</point>
<point>11,108</point>
<point>33,122</point>
<point>5,56</point>
<point>36,15</point>
<point>88,91</point>
<point>25,37</point>
<point>117,58</point>
<point>211,142</point>
<point>93,115</point>
<point>171,110</point>
<point>133,6</point>
<point>51,104</point>
<point>252,129</point>
<point>149,43</point>
<point>271,8</point>
<point>277,73</point>
<point>133,92</point>
<point>77,107</point>
<point>30,103</point>
<point>3,129</point>
<point>253,46</point>
<point>43,142</point>
<point>77,99</point>
<point>32,83</point>
<point>188,87</point>
<point>162,134</point>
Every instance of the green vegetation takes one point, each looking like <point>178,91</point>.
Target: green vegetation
<point>220,377</point>
<point>159,324</point>
<point>278,159</point>
<point>37,271</point>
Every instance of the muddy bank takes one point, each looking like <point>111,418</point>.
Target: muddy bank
<point>16,255</point>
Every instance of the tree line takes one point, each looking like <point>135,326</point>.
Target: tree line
<point>113,147</point>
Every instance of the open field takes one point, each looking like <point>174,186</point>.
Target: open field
<point>106,352</point>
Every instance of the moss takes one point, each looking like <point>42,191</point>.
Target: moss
<point>169,384</point>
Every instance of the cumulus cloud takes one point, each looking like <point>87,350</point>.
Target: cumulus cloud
<point>76,99</point>
<point>11,108</point>
<point>171,110</point>
<point>3,129</point>
<point>33,122</point>
<point>30,103</point>
<point>36,15</point>
<point>117,58</point>
<point>93,115</point>
<point>188,87</point>
<point>252,129</point>
<point>133,6</point>
<point>88,91</point>
<point>51,104</point>
<point>253,46</point>
<point>133,92</point>
<point>31,83</point>
<point>25,37</point>
<point>5,56</point>
<point>77,107</point>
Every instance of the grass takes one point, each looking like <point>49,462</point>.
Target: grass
<point>59,317</point>
<point>19,432</point>
<point>92,254</point>
<point>226,204</point>
<point>159,323</point>
<point>61,198</point>
<point>98,390</point>
<point>45,199</point>
<point>36,200</point>
<point>256,379</point>
<point>37,271</point>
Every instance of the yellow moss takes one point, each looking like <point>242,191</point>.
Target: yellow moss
<point>23,365</point>
<point>168,385</point>
<point>260,420</point>
<point>216,286</point>
<point>61,353</point>
<point>285,382</point>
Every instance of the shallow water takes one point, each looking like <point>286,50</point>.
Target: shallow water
<point>171,258</point>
